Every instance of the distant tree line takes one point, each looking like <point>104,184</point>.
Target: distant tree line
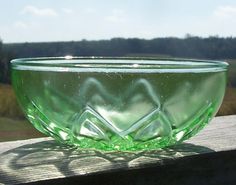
<point>188,47</point>
<point>191,47</point>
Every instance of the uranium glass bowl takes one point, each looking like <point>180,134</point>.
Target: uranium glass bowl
<point>119,103</point>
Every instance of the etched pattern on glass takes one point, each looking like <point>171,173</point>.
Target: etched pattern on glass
<point>105,113</point>
<point>119,111</point>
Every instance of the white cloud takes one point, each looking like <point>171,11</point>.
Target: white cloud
<point>117,16</point>
<point>20,24</point>
<point>225,12</point>
<point>29,9</point>
<point>67,10</point>
<point>90,10</point>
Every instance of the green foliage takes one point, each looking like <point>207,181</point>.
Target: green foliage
<point>5,57</point>
<point>232,73</point>
<point>190,47</point>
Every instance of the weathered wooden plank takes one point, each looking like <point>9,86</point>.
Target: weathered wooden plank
<point>207,157</point>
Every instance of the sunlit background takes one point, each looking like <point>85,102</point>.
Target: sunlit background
<point>60,20</point>
<point>203,29</point>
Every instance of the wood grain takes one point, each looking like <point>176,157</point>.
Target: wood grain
<point>208,158</point>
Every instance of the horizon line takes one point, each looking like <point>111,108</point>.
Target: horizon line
<point>187,36</point>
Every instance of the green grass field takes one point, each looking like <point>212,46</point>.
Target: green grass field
<point>15,129</point>
<point>13,125</point>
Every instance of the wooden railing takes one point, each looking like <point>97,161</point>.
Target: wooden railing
<point>208,158</point>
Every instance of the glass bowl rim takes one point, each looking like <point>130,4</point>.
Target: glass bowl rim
<point>130,63</point>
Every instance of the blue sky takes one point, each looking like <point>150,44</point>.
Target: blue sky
<point>65,20</point>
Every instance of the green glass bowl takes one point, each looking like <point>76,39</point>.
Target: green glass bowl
<point>119,103</point>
